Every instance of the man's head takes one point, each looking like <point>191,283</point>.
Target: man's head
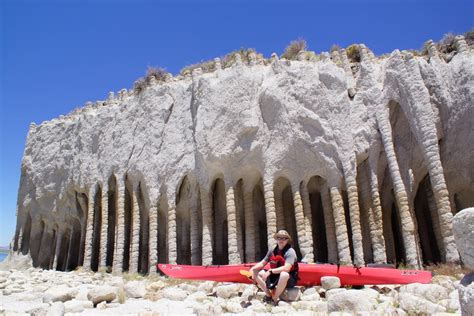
<point>283,238</point>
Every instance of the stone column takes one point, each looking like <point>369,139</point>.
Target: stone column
<point>407,222</point>
<point>435,219</point>
<point>371,203</point>
<point>153,238</point>
<point>105,224</point>
<point>270,211</point>
<point>412,81</point>
<point>300,222</point>
<point>207,220</point>
<point>329,223</point>
<point>57,250</point>
<point>120,229</point>
<point>89,230</point>
<point>308,221</point>
<point>135,238</point>
<point>344,254</point>
<point>278,200</point>
<point>232,226</point>
<point>249,225</point>
<point>194,230</point>
<point>172,234</point>
<point>354,214</point>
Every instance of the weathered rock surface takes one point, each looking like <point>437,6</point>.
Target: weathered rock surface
<point>361,136</point>
<point>328,282</point>
<point>463,226</point>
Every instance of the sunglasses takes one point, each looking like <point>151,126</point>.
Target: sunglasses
<point>282,238</point>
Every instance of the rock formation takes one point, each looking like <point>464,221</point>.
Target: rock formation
<point>361,159</point>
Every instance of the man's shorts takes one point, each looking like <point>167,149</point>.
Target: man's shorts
<point>272,281</point>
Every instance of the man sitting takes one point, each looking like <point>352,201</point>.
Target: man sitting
<point>283,272</point>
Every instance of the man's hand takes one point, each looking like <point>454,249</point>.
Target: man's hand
<point>266,275</point>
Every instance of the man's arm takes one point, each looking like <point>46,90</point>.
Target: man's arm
<point>259,266</point>
<point>285,268</point>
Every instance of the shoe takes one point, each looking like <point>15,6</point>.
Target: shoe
<point>267,299</point>
<point>275,303</point>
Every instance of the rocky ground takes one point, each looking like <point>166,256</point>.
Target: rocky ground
<point>45,292</point>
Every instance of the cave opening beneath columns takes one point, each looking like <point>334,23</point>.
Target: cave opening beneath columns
<point>425,220</point>
<point>112,197</point>
<point>392,231</point>
<point>220,253</point>
<point>63,250</point>
<point>128,225</point>
<point>320,248</point>
<point>240,218</point>
<point>183,222</point>
<point>367,214</point>
<point>25,238</point>
<point>74,246</point>
<point>81,208</point>
<point>288,211</point>
<point>463,199</point>
<point>35,242</point>
<point>258,203</point>
<point>347,216</point>
<point>144,236</point>
<point>47,248</point>
<point>163,229</point>
<point>97,223</point>
<point>53,253</point>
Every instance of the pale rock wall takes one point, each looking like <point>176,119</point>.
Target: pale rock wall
<point>400,118</point>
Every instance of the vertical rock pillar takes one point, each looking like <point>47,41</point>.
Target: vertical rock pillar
<point>344,254</point>
<point>135,238</point>
<point>194,226</point>
<point>105,224</point>
<point>407,222</point>
<point>270,211</point>
<point>120,235</point>
<point>309,257</point>
<point>172,234</point>
<point>249,225</point>
<point>89,229</point>
<point>153,238</point>
<point>232,225</point>
<point>57,250</point>
<point>329,223</point>
<point>207,220</point>
<point>306,250</point>
<point>354,213</point>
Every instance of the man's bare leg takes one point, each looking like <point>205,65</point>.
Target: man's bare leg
<point>282,282</point>
<point>258,277</point>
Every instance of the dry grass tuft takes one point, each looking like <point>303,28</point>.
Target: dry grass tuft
<point>452,270</point>
<point>447,44</point>
<point>159,74</point>
<point>353,53</point>
<point>292,50</point>
<point>469,36</point>
<point>335,47</point>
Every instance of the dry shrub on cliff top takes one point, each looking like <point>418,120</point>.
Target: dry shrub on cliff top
<point>447,44</point>
<point>292,50</point>
<point>206,66</point>
<point>159,74</point>
<point>469,36</point>
<point>353,53</point>
<point>229,59</point>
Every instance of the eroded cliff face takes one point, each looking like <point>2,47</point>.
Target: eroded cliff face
<point>361,162</point>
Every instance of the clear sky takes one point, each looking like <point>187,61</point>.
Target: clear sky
<point>57,55</point>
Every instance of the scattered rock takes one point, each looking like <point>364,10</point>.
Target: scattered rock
<point>227,291</point>
<point>59,293</point>
<point>431,292</point>
<point>102,293</point>
<point>415,304</point>
<point>174,294</point>
<point>135,289</point>
<point>330,282</point>
<point>351,300</point>
<point>463,228</point>
<point>56,309</point>
<point>73,306</point>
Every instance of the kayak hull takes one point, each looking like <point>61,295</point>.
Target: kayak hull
<point>309,274</point>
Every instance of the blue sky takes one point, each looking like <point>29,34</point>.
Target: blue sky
<point>56,55</point>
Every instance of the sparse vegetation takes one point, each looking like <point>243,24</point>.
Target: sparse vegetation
<point>353,53</point>
<point>469,36</point>
<point>292,50</point>
<point>159,74</point>
<point>229,59</point>
<point>206,66</point>
<point>335,47</point>
<point>447,44</point>
<point>452,270</point>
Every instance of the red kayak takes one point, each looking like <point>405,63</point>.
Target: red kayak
<point>310,274</point>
